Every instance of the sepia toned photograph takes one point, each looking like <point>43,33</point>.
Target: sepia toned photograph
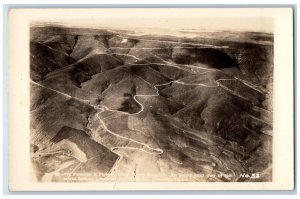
<point>151,100</point>
<point>142,106</point>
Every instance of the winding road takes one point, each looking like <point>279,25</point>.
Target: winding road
<point>146,148</point>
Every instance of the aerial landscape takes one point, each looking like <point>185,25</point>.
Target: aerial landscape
<point>117,105</point>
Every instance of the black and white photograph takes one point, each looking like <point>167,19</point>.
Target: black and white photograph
<point>176,97</point>
<point>151,105</point>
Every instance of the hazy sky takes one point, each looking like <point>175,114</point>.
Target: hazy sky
<point>213,24</point>
<point>205,24</point>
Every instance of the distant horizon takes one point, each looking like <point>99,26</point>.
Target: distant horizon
<point>261,25</point>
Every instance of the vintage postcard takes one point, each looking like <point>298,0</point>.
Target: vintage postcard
<point>151,99</point>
